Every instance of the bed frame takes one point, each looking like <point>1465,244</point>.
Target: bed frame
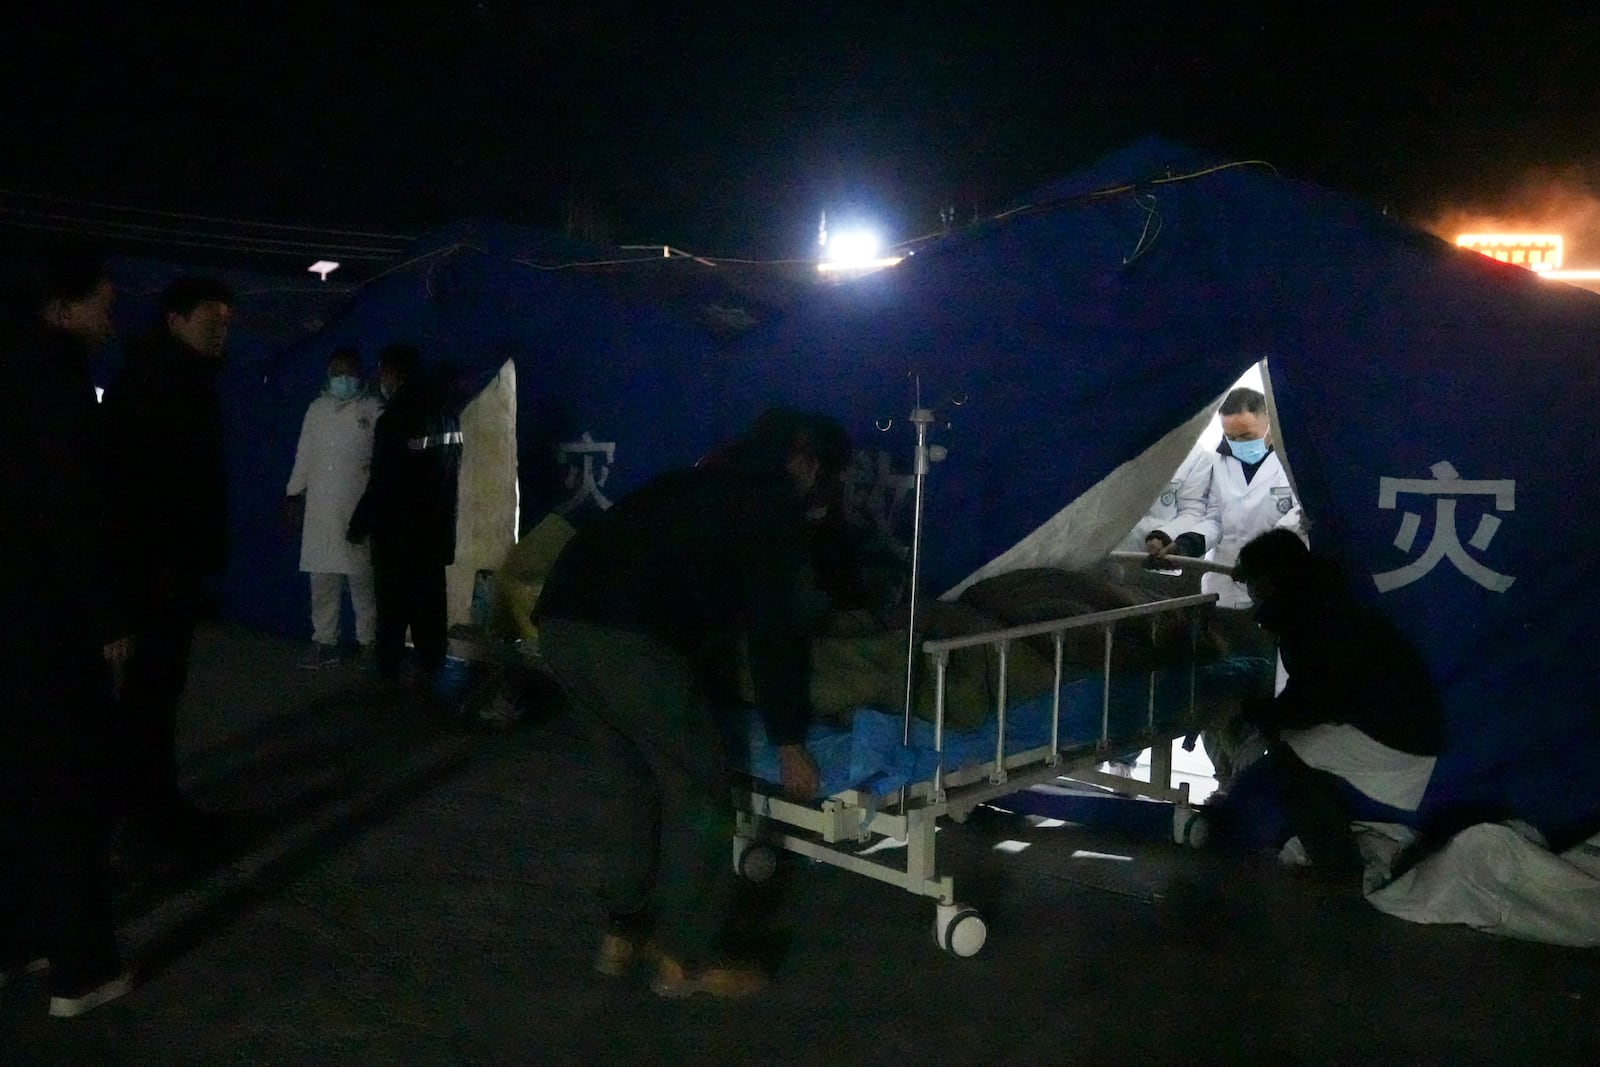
<point>836,831</point>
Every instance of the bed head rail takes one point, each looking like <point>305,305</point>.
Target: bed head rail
<point>939,652</point>
<point>1099,618</point>
<point>1188,564</point>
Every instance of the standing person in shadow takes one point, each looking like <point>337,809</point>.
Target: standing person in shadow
<point>1358,713</point>
<point>169,483</point>
<point>64,646</point>
<point>409,512</point>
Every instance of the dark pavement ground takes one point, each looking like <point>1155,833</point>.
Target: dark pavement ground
<point>402,889</point>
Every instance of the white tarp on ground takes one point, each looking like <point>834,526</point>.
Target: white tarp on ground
<point>1495,877</point>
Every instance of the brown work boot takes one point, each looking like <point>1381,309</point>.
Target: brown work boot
<point>726,981</point>
<point>619,952</point>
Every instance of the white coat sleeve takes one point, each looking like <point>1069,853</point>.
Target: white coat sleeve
<point>302,459</point>
<point>1209,525</point>
<point>1194,482</point>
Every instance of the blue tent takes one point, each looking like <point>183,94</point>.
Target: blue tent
<point>593,355</point>
<point>1436,409</point>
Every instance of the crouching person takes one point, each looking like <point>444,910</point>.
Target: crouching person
<point>1358,710</point>
<point>689,563</point>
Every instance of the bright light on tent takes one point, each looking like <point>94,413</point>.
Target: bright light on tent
<point>828,265</point>
<point>854,247</point>
<point>322,268</point>
<point>1535,251</point>
<point>855,251</point>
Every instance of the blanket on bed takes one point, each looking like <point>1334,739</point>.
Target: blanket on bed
<point>866,752</point>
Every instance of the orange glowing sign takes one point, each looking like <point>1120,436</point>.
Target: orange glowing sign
<point>1536,251</point>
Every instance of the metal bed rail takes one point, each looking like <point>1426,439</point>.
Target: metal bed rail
<point>939,652</point>
<point>833,831</point>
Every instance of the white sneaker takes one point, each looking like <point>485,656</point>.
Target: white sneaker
<point>68,1007</point>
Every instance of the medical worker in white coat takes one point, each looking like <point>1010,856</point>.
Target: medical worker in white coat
<point>1249,491</point>
<point>330,473</point>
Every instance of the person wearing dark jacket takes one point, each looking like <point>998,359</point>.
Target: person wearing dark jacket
<point>63,647</point>
<point>1358,710</point>
<point>640,620</point>
<point>164,426</point>
<point>409,512</point>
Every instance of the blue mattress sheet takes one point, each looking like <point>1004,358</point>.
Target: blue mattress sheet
<point>870,756</point>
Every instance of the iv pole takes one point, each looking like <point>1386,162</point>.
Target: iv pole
<point>926,456</point>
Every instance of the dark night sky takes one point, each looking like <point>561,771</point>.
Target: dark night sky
<point>724,128</point>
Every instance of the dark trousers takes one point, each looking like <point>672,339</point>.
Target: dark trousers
<point>156,676</point>
<point>409,585</point>
<point>667,807</point>
<point>1316,809</point>
<point>55,895</point>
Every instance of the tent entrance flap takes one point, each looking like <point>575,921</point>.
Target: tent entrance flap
<point>1080,534</point>
<point>486,512</point>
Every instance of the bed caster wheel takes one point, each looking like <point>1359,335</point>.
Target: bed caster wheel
<point>1190,826</point>
<point>754,861</point>
<point>960,930</point>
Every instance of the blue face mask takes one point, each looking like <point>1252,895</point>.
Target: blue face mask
<point>1249,451</point>
<point>344,386</point>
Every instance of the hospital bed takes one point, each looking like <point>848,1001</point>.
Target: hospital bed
<point>891,776</point>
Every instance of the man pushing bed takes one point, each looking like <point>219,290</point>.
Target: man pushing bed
<point>640,620</point>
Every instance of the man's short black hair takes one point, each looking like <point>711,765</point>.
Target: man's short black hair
<point>403,358</point>
<point>1277,555</point>
<point>1243,400</point>
<point>346,354</point>
<point>185,294</point>
<point>779,433</point>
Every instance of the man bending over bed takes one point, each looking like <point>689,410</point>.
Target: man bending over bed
<point>1358,709</point>
<point>640,619</point>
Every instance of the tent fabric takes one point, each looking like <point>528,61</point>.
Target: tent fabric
<point>1438,406</point>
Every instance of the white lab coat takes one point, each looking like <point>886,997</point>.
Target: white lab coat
<point>1237,512</point>
<point>1181,505</point>
<point>330,467</point>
